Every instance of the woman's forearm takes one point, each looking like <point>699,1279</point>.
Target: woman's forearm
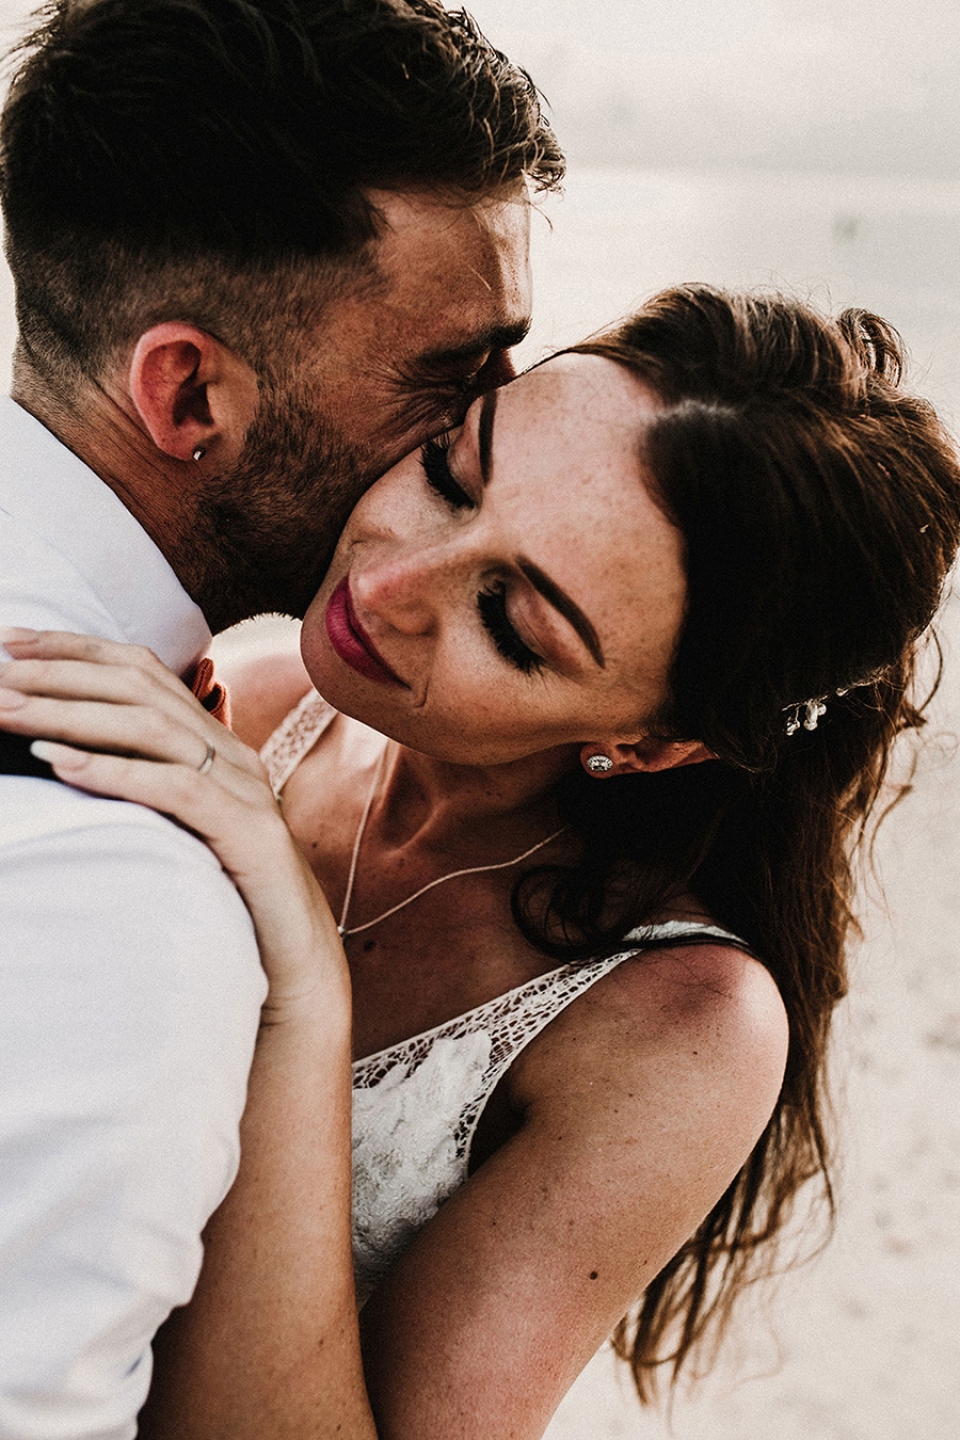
<point>269,1345</point>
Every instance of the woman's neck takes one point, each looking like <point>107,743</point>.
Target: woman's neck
<point>431,803</point>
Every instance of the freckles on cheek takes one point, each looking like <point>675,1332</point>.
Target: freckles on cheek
<point>489,712</point>
<point>480,707</point>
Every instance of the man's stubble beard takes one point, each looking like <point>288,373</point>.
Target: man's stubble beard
<point>268,528</point>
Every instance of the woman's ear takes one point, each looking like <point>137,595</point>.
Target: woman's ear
<point>653,754</point>
<point>194,395</point>
<point>648,753</point>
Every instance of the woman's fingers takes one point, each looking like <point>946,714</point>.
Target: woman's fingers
<point>67,645</point>
<point>120,682</point>
<point>125,729</point>
<point>125,700</point>
<point>217,803</point>
<point>55,662</point>
<point>152,743</point>
<point>63,663</point>
<point>122,703</point>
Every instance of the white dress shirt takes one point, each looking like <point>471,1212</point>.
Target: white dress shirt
<point>130,990</point>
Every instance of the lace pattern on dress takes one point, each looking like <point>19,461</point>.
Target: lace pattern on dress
<point>294,737</point>
<point>417,1104</point>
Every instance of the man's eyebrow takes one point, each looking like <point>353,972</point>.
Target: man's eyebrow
<point>562,603</point>
<point>498,337</point>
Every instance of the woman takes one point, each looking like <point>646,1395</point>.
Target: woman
<point>642,634</point>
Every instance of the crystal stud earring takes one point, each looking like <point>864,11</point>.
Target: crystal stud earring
<point>599,764</point>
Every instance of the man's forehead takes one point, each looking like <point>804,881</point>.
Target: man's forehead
<point>458,248</point>
<point>404,212</point>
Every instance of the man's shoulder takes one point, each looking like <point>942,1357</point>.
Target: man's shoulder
<point>74,557</point>
<point>114,878</point>
<point>37,811</point>
<point>44,590</point>
<point>45,815</point>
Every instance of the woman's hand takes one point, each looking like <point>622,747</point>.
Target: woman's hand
<point>150,741</point>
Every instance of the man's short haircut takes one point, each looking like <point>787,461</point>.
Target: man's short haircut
<point>218,151</point>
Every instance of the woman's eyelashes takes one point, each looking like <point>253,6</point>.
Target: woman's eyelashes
<point>433,459</point>
<point>492,602</point>
<point>492,605</point>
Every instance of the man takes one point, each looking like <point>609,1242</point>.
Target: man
<point>260,251</point>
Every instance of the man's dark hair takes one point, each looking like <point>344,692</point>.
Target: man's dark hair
<point>157,144</point>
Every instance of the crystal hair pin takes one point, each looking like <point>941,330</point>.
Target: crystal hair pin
<point>806,713</point>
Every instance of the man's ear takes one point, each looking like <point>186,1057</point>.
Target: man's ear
<point>648,753</point>
<point>195,396</point>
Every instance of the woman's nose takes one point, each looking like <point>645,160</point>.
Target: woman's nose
<point>401,590</point>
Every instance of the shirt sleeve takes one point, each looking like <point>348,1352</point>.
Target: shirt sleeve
<point>131,990</point>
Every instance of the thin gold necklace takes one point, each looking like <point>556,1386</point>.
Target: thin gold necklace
<point>440,880</point>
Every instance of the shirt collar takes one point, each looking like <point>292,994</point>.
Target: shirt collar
<point>49,489</point>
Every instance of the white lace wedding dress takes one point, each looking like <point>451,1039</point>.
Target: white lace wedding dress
<point>416,1105</point>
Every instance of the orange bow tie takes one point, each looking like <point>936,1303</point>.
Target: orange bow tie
<point>211,694</point>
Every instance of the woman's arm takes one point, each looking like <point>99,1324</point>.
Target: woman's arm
<point>639,1105</point>
<point>269,1344</point>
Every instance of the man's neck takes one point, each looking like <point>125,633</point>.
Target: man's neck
<point>100,432</point>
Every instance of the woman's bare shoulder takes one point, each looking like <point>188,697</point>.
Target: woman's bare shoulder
<point>639,1105</point>
<point>693,1020</point>
<point>263,689</point>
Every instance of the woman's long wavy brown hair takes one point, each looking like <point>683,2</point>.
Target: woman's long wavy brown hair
<point>820,506</point>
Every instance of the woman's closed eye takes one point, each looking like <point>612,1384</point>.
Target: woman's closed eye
<point>492,605</point>
<point>433,459</point>
<point>491,602</point>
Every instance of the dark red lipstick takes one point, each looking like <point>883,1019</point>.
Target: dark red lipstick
<point>349,639</point>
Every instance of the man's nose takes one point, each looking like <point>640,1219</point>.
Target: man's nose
<point>499,370</point>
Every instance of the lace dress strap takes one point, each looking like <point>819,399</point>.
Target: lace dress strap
<point>295,737</point>
<point>513,1028</point>
<point>416,1105</point>
<point>509,1022</point>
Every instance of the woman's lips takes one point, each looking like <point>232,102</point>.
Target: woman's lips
<point>350,640</point>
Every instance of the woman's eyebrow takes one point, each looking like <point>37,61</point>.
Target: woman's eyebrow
<point>488,407</point>
<point>562,603</point>
<point>540,581</point>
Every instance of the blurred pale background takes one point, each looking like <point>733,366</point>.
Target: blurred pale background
<point>813,145</point>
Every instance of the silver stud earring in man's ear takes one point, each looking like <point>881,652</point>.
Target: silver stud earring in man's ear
<point>199,453</point>
<point>599,764</point>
